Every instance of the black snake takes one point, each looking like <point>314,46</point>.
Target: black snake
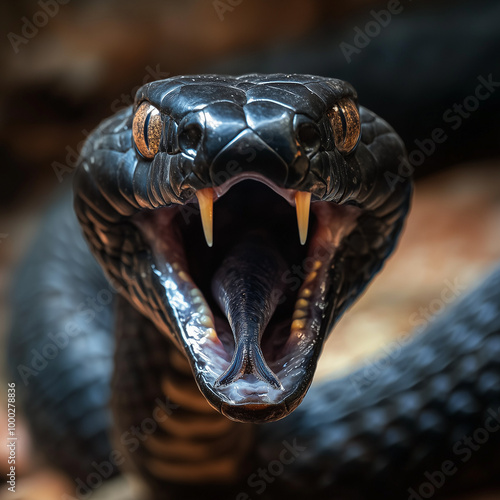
<point>241,302</point>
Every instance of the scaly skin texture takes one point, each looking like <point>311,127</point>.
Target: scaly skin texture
<point>361,434</point>
<point>64,390</point>
<point>378,433</point>
<point>351,438</point>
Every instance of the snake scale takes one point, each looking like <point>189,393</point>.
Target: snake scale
<point>231,221</point>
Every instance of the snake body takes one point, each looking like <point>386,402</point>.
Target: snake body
<point>209,342</point>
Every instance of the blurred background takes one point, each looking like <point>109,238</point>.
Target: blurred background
<point>432,69</point>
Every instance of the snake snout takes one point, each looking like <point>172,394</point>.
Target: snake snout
<point>248,153</point>
<point>259,139</point>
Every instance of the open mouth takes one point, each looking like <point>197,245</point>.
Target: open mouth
<point>251,311</point>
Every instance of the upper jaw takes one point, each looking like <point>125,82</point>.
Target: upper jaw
<point>196,328</point>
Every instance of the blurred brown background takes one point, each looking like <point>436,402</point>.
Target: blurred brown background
<point>66,66</point>
<point>87,58</point>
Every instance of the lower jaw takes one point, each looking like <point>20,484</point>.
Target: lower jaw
<point>257,408</point>
<point>258,413</point>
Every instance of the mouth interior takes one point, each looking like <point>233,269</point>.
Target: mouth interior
<point>291,341</point>
<point>249,210</point>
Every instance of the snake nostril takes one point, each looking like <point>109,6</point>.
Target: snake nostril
<point>190,138</point>
<point>309,137</point>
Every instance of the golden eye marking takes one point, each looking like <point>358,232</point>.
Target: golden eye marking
<point>146,129</point>
<point>344,118</point>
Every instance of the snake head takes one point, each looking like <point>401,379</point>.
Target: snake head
<point>242,216</point>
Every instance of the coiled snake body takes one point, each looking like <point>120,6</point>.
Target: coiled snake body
<point>220,310</point>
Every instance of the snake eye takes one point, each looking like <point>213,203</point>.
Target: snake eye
<point>344,118</point>
<point>146,129</point>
